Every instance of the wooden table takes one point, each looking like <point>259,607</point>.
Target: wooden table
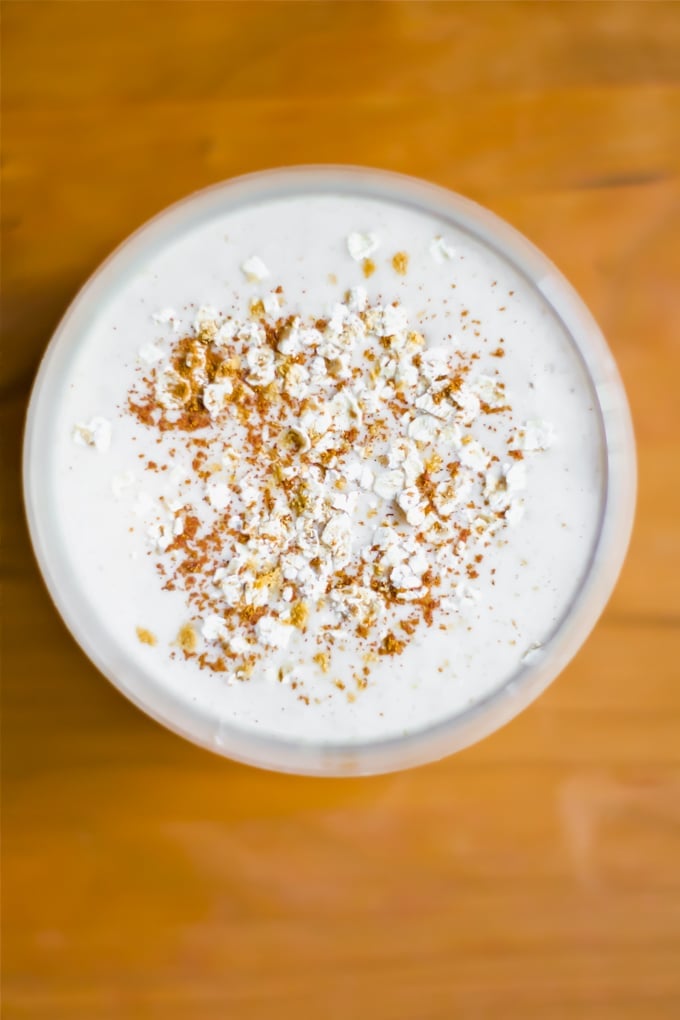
<point>535,876</point>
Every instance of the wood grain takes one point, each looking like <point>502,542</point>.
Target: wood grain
<point>534,876</point>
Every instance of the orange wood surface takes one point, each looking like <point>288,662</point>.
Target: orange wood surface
<point>535,876</point>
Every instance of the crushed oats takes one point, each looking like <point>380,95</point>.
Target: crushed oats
<point>146,636</point>
<point>347,490</point>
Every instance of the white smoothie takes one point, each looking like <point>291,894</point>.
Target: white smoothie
<point>326,467</point>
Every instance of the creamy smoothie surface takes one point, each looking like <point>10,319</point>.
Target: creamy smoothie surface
<point>327,467</point>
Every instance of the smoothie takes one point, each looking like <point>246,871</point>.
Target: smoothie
<point>326,468</point>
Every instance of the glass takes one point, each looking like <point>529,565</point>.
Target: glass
<point>558,648</point>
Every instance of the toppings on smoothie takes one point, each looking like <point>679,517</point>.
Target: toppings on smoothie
<point>323,661</point>
<point>187,639</point>
<point>96,432</point>
<point>254,269</point>
<point>346,478</point>
<point>441,250</point>
<point>145,636</point>
<point>149,354</point>
<point>391,645</point>
<point>400,263</point>
<point>167,316</point>
<point>535,435</point>
<point>362,246</point>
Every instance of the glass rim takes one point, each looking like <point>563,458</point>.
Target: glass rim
<point>607,555</point>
